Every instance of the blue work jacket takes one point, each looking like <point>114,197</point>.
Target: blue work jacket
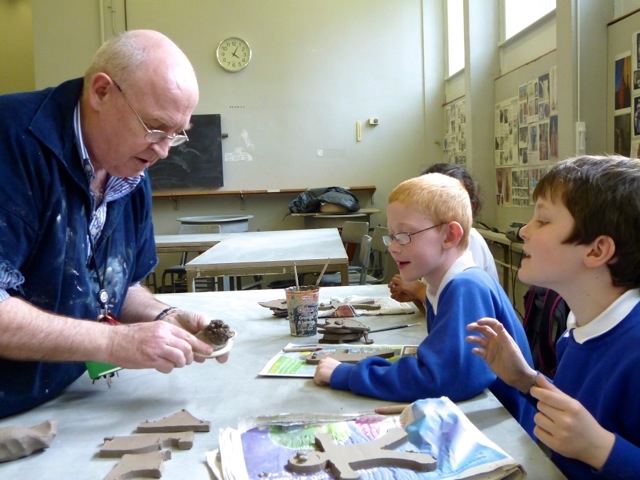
<point>45,209</point>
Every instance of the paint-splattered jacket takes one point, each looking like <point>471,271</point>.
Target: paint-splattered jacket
<point>45,206</point>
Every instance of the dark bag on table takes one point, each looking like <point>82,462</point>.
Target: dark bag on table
<point>311,200</point>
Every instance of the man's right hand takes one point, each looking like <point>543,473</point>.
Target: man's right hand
<point>159,345</point>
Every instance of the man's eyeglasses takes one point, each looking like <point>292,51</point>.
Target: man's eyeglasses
<point>155,136</point>
<point>404,238</point>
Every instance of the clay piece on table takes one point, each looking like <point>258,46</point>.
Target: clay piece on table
<point>181,421</point>
<point>146,465</point>
<point>17,442</point>
<point>334,308</point>
<point>216,333</point>
<point>341,330</point>
<point>277,307</point>
<point>145,443</point>
<point>343,460</point>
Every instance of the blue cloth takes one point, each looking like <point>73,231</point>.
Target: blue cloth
<point>445,365</point>
<point>45,207</point>
<point>603,374</point>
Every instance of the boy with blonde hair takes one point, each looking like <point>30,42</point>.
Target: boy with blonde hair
<point>583,242</point>
<point>429,218</point>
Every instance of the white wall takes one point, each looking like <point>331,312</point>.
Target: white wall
<point>318,67</point>
<point>321,65</point>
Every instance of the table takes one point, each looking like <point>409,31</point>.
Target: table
<point>221,394</point>
<point>228,223</point>
<point>272,252</point>
<point>184,243</point>
<point>188,242</point>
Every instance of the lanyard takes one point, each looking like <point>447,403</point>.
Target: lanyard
<point>97,369</point>
<point>103,295</point>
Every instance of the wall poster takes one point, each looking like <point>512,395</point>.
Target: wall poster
<point>526,139</point>
<point>455,139</point>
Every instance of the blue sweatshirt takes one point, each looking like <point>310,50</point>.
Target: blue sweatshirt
<point>599,365</point>
<point>45,207</point>
<point>445,365</point>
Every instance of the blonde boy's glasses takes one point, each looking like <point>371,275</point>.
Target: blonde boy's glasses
<point>404,238</point>
<point>155,136</point>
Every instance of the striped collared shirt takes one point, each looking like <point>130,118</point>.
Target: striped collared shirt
<point>116,187</point>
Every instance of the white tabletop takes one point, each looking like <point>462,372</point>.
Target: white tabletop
<point>188,242</point>
<point>221,394</point>
<point>256,253</point>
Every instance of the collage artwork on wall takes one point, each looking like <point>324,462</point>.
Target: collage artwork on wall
<point>526,139</point>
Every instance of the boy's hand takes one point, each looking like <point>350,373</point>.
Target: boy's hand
<point>325,368</point>
<point>402,291</point>
<point>502,354</point>
<point>565,426</point>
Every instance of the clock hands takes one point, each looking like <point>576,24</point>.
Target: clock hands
<point>234,52</point>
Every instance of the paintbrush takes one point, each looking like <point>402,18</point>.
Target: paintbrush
<point>393,328</point>
<point>322,272</point>
<point>295,274</point>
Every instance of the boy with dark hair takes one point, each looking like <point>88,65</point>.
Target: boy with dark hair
<point>429,218</point>
<point>584,243</point>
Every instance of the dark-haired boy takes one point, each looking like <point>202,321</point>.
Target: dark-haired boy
<point>584,243</point>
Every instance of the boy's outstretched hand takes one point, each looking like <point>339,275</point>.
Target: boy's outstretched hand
<point>496,347</point>
<point>565,426</point>
<point>325,368</point>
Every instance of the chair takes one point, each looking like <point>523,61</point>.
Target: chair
<point>151,283</point>
<point>177,273</point>
<point>351,235</point>
<point>382,264</point>
<point>357,273</point>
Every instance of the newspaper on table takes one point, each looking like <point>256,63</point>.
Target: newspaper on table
<point>261,446</point>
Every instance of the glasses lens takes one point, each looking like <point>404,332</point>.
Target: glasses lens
<point>178,140</point>
<point>387,240</point>
<point>403,238</point>
<point>157,136</point>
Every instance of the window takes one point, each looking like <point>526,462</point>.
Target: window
<point>455,36</point>
<point>518,15</point>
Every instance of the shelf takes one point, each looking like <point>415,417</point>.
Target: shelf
<point>244,193</point>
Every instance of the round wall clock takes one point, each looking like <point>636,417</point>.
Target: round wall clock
<point>233,54</point>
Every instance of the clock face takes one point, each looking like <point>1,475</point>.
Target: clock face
<point>233,54</point>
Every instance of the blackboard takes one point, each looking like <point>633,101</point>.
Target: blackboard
<point>194,165</point>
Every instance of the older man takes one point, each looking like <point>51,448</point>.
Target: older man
<point>75,210</point>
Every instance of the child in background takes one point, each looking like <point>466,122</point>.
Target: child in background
<point>429,218</point>
<point>584,243</point>
<point>416,291</point>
